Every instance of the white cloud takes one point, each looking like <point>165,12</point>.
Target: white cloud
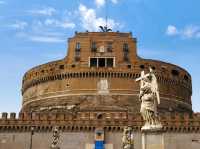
<point>19,25</point>
<point>46,39</point>
<point>190,31</point>
<point>48,29</point>
<point>42,37</point>
<point>48,11</point>
<point>171,30</point>
<point>91,22</point>
<point>100,3</point>
<point>57,23</point>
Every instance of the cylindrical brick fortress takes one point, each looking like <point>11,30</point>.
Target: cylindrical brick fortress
<point>96,57</point>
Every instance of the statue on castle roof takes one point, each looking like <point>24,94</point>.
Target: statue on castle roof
<point>149,97</point>
<point>105,28</point>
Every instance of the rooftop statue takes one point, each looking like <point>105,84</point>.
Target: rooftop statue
<point>149,97</point>
<point>105,29</point>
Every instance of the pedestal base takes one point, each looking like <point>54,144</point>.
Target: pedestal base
<point>152,140</point>
<point>157,127</point>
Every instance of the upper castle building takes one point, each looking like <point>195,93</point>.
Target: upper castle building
<point>91,95</point>
<point>99,73</point>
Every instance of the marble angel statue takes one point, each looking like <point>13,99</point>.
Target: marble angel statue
<point>149,97</point>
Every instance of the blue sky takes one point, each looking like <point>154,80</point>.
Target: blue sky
<point>33,32</point>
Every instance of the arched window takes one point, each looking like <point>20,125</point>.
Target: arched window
<point>175,72</point>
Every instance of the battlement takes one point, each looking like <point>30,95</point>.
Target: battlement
<point>88,121</point>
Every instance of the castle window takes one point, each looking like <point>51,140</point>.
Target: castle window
<point>126,52</point>
<point>61,66</point>
<point>102,62</point>
<point>93,62</point>
<point>129,66</point>
<point>142,66</point>
<point>186,78</point>
<point>78,46</point>
<point>109,47</point>
<point>125,47</point>
<point>99,116</point>
<point>77,51</point>
<point>175,72</point>
<point>110,62</point>
<point>93,47</point>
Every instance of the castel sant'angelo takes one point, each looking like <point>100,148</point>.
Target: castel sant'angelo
<point>91,95</point>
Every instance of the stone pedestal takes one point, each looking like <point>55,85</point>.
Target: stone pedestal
<point>152,140</point>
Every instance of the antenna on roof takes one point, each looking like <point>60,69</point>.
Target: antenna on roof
<point>106,14</point>
<point>105,28</point>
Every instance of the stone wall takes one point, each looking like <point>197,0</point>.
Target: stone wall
<point>180,131</point>
<point>52,86</point>
<point>79,140</point>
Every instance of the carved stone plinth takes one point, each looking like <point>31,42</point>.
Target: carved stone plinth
<point>152,140</point>
<point>157,127</point>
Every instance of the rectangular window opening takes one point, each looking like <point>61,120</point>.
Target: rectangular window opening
<point>109,47</point>
<point>93,62</point>
<point>102,62</point>
<point>110,62</point>
<point>94,47</point>
<point>125,47</point>
<point>78,46</point>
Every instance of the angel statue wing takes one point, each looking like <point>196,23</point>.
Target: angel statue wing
<point>155,85</point>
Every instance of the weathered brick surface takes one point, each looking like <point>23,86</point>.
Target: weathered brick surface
<point>66,82</point>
